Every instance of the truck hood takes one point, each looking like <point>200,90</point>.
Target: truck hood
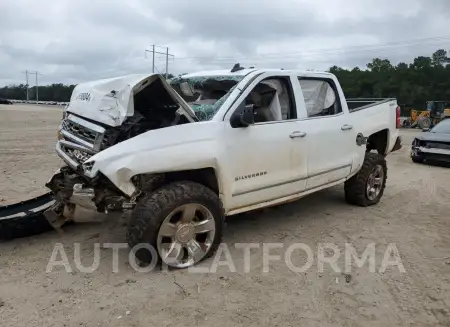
<point>436,137</point>
<point>110,101</point>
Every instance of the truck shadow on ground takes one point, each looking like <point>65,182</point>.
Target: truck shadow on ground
<point>274,224</point>
<point>284,216</point>
<point>239,228</point>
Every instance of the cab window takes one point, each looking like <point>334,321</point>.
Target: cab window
<point>320,96</point>
<point>272,100</point>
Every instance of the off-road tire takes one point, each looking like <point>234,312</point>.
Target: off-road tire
<point>153,208</point>
<point>424,122</point>
<point>355,187</point>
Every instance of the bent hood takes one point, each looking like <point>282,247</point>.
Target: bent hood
<point>110,101</point>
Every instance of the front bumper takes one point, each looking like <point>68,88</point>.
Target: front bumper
<point>432,154</point>
<point>398,144</point>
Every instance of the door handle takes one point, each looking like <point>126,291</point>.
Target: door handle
<point>297,134</point>
<point>346,127</point>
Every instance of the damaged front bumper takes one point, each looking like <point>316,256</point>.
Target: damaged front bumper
<point>72,189</point>
<point>431,154</point>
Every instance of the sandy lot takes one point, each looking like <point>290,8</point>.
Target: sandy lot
<point>413,215</point>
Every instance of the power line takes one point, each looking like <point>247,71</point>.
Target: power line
<point>290,57</point>
<point>347,49</point>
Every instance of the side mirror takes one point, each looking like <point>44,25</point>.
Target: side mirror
<point>425,129</point>
<point>243,116</point>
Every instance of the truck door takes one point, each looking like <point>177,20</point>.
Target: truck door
<point>261,155</point>
<point>329,134</point>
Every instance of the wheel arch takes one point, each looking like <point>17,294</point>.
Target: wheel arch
<point>205,176</point>
<point>379,141</point>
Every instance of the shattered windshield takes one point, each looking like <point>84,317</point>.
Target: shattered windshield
<point>205,94</point>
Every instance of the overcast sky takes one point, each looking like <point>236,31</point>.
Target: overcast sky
<point>70,41</point>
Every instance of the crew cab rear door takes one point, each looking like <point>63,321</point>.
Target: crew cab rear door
<point>265,160</point>
<point>328,131</point>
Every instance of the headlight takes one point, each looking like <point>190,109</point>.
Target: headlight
<point>88,166</point>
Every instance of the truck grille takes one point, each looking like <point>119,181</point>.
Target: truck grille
<point>80,131</point>
<point>77,155</point>
<point>79,140</point>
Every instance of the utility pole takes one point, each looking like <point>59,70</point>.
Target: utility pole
<point>167,62</point>
<point>26,79</point>
<point>37,83</point>
<point>153,62</point>
<point>167,54</point>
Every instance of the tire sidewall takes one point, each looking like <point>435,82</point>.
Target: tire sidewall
<point>381,162</point>
<point>207,199</point>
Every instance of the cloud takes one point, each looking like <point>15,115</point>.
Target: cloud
<point>76,40</point>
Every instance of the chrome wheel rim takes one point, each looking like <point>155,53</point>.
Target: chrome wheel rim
<point>375,182</point>
<point>186,235</point>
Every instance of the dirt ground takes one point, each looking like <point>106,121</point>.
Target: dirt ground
<point>413,215</point>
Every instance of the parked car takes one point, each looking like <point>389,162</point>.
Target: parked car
<point>433,144</point>
<point>184,154</point>
<point>5,101</point>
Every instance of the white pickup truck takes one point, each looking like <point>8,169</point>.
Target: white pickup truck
<point>183,154</point>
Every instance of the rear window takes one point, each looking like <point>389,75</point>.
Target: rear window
<point>320,97</point>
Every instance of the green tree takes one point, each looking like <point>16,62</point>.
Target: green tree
<point>426,78</point>
<point>439,57</point>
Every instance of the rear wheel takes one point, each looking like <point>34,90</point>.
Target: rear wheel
<point>367,187</point>
<point>182,221</point>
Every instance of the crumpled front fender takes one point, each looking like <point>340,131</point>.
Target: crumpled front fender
<point>120,169</point>
<point>177,148</point>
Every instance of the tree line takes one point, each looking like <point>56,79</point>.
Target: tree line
<point>426,78</point>
<point>53,92</point>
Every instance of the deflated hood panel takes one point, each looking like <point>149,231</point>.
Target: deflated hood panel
<point>110,101</point>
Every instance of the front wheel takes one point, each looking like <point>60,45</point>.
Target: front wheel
<point>182,221</point>
<point>367,187</point>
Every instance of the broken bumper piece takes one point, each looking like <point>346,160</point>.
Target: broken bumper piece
<point>398,144</point>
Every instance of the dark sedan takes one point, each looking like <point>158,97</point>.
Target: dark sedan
<point>5,101</point>
<point>433,145</point>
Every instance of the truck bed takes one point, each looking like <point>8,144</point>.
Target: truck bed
<point>372,115</point>
<point>356,104</point>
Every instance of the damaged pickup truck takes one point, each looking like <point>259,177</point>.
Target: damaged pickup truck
<point>183,154</point>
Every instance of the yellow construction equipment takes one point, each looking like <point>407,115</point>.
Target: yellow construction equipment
<point>435,112</point>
